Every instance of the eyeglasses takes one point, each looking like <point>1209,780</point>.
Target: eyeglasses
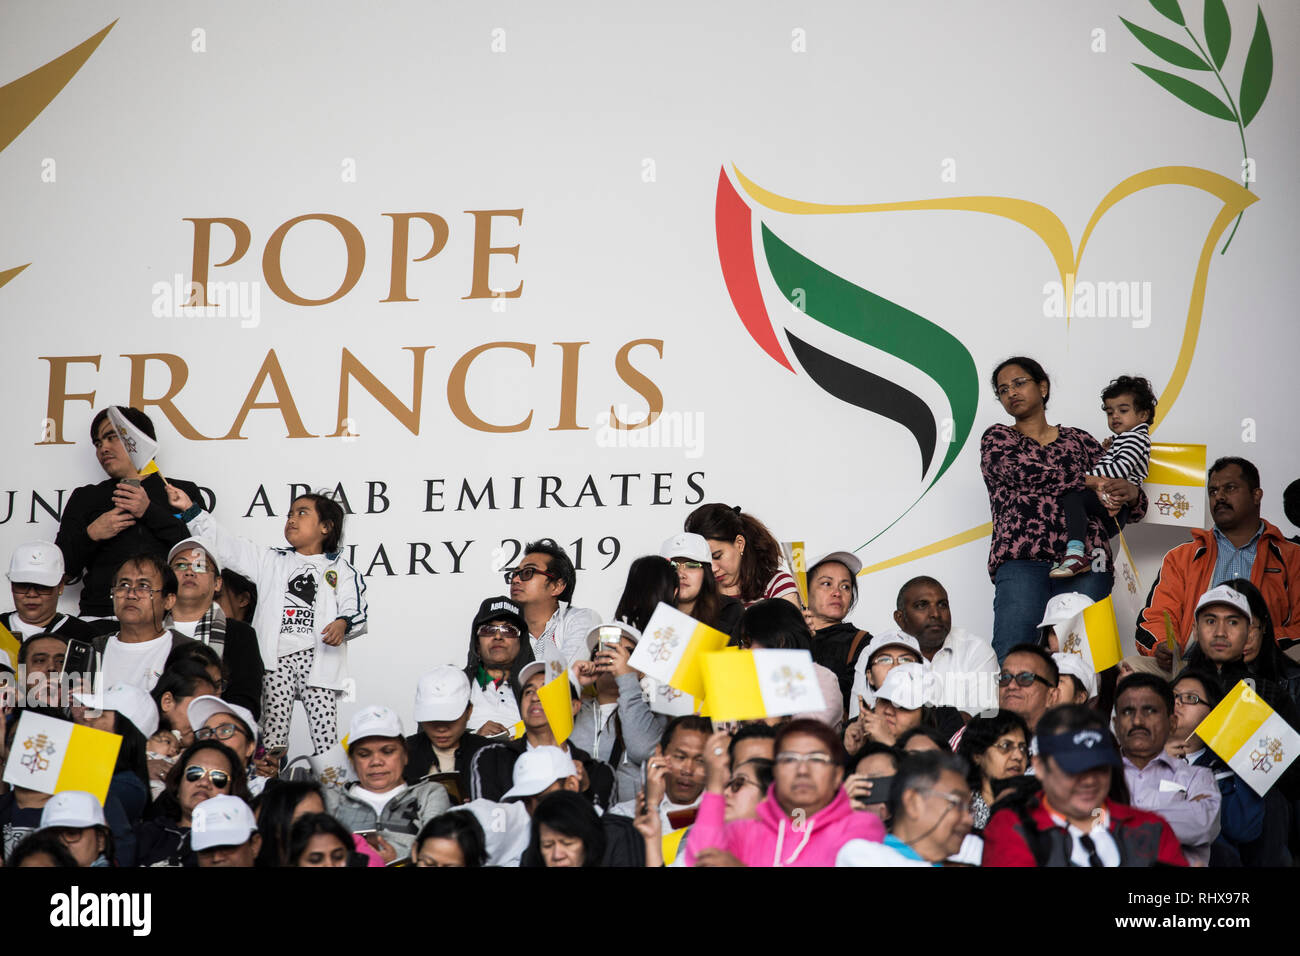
<point>526,574</point>
<point>223,732</point>
<point>689,565</point>
<point>1191,700</point>
<point>42,589</point>
<point>788,758</point>
<point>180,567</point>
<point>120,589</point>
<point>1016,383</point>
<point>219,778</point>
<point>505,630</point>
<point>1024,679</point>
<point>889,660</point>
<point>1006,746</point>
<point>954,800</point>
<point>737,784</point>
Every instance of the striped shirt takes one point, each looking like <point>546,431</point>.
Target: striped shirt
<point>1128,457</point>
<point>780,585</point>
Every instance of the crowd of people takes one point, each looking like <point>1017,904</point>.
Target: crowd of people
<point>935,746</point>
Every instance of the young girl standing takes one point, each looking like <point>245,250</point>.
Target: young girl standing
<point>312,601</point>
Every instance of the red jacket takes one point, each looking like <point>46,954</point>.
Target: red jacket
<point>1144,838</point>
<point>1185,575</point>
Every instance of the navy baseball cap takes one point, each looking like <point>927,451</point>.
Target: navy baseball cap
<point>1078,750</point>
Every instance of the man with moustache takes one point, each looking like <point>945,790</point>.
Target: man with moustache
<point>1241,545</point>
<point>1186,796</point>
<point>1073,821</point>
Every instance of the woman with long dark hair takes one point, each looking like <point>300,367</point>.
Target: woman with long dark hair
<point>697,589</point>
<point>1027,467</point>
<point>746,558</point>
<point>651,580</point>
<point>205,769</point>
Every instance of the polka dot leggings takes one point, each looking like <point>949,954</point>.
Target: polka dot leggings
<point>287,683</point>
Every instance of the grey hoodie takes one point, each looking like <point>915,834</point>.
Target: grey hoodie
<point>642,729</point>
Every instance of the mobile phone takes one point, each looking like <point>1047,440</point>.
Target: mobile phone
<point>611,634</point>
<point>77,659</point>
<point>131,481</point>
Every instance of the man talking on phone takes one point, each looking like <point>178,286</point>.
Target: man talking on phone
<point>122,516</point>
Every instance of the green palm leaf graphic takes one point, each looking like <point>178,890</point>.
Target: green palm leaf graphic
<point>1168,50</point>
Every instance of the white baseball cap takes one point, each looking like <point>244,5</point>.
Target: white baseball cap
<point>377,721</point>
<point>904,686</point>
<point>593,636</point>
<point>36,562</point>
<point>1062,608</point>
<point>1076,666</point>
<point>850,561</point>
<point>894,638</point>
<point>223,820</point>
<point>73,808</point>
<point>189,544</point>
<point>442,694</point>
<point>126,699</point>
<point>201,710</point>
<point>537,769</point>
<point>1224,595</point>
<point>687,545</point>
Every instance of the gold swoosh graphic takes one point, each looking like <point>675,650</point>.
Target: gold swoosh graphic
<point>1048,226</point>
<point>23,99</point>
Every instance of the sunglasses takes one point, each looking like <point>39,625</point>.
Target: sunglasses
<point>505,630</point>
<point>526,574</point>
<point>690,565</point>
<point>737,784</point>
<point>1024,679</point>
<point>220,779</point>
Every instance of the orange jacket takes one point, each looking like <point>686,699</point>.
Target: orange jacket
<point>1185,576</point>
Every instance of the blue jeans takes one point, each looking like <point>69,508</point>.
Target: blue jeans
<point>1021,591</point>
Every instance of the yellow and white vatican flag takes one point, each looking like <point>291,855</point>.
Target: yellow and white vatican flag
<point>558,705</point>
<point>51,755</point>
<point>1250,737</point>
<point>748,685</point>
<point>1175,485</point>
<point>671,647</point>
<point>1093,635</point>
<point>665,699</point>
<point>139,446</point>
<point>332,767</point>
<point>1129,594</point>
<point>796,558</point>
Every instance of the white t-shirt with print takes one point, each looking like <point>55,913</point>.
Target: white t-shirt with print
<point>299,602</point>
<point>140,663</point>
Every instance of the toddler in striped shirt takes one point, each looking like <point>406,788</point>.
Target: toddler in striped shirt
<point>1129,404</point>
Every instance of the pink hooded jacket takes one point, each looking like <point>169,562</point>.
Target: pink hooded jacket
<point>774,839</point>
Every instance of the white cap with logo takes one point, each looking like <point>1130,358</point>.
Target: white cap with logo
<point>36,562</point>
<point>127,699</point>
<point>202,709</point>
<point>189,544</point>
<point>894,638</point>
<point>442,694</point>
<point>687,545</point>
<point>1063,608</point>
<point>223,820</point>
<point>537,769</point>
<point>1076,666</point>
<point>904,686</point>
<point>75,809</point>
<point>1224,595</point>
<point>377,721</point>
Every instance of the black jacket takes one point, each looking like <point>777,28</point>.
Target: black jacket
<point>164,842</point>
<point>422,761</point>
<point>65,625</point>
<point>833,648</point>
<point>242,657</point>
<point>95,561</point>
<point>624,845</point>
<point>493,767</point>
